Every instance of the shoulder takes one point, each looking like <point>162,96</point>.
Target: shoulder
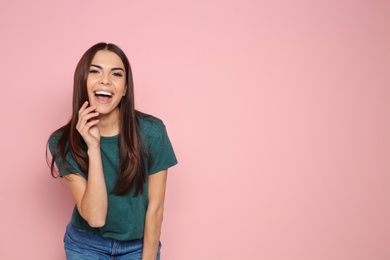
<point>159,148</point>
<point>150,126</point>
<point>53,139</point>
<point>56,135</point>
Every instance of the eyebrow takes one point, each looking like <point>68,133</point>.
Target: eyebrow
<point>100,67</point>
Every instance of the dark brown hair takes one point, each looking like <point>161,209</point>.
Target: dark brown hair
<point>132,153</point>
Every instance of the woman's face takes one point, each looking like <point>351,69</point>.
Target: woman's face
<point>106,83</point>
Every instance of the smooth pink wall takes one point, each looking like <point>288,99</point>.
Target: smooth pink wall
<point>278,111</point>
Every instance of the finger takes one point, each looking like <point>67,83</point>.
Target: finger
<point>92,123</point>
<point>88,126</point>
<point>86,110</point>
<point>83,130</point>
<point>83,107</point>
<point>89,116</point>
<point>83,120</point>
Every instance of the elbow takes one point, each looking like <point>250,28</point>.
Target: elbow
<point>94,219</point>
<point>96,223</point>
<point>156,213</point>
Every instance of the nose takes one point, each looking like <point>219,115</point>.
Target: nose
<point>105,80</point>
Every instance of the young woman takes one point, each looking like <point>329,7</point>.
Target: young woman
<point>114,160</point>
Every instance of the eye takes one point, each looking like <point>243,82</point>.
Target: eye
<point>93,71</point>
<point>117,74</point>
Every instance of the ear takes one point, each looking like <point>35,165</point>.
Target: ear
<point>124,91</point>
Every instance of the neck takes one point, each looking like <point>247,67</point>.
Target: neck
<point>109,124</point>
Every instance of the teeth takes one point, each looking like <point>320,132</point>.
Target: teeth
<point>103,93</point>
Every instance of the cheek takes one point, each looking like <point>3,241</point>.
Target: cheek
<point>90,93</point>
<point>91,82</point>
<point>121,88</point>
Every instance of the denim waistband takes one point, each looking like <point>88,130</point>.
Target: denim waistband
<point>77,239</point>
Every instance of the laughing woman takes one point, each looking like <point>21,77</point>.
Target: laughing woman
<point>114,160</point>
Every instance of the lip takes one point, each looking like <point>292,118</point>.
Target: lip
<point>103,99</point>
<point>103,90</point>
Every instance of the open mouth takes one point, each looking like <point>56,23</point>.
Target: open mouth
<point>103,96</point>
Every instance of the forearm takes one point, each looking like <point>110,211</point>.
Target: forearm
<point>94,203</point>
<point>153,223</point>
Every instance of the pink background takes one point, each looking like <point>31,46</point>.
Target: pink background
<point>278,111</point>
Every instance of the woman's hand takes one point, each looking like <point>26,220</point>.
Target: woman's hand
<point>87,126</point>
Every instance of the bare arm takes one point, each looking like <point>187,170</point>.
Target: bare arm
<point>154,214</point>
<point>91,195</point>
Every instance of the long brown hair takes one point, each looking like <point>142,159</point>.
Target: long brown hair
<point>132,153</point>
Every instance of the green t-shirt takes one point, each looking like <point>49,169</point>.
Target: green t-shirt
<point>126,213</point>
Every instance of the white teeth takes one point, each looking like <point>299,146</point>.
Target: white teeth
<point>103,93</point>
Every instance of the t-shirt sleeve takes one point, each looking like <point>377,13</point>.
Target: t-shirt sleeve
<point>72,165</point>
<point>160,148</point>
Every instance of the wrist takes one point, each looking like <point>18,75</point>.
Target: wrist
<point>93,149</point>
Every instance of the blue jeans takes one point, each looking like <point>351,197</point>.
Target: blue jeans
<point>84,245</point>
